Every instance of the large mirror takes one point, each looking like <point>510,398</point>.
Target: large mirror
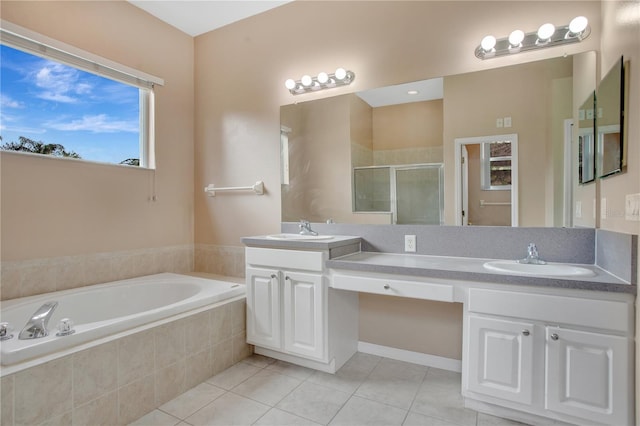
<point>340,155</point>
<point>609,121</point>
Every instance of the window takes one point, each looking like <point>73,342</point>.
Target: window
<point>61,101</point>
<point>495,158</point>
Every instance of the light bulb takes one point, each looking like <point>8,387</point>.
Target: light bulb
<point>578,24</point>
<point>341,73</point>
<point>323,77</point>
<point>546,31</point>
<point>516,37</point>
<point>306,80</point>
<point>290,84</point>
<point>488,43</point>
<point>412,92</point>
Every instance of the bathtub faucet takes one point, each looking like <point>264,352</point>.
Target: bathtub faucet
<point>37,325</point>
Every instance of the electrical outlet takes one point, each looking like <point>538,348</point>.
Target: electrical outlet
<point>632,207</point>
<point>578,209</point>
<point>410,243</point>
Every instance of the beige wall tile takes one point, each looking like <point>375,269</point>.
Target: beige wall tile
<point>238,316</point>
<point>221,328</point>
<point>43,392</point>
<point>6,400</point>
<point>222,356</point>
<point>136,399</point>
<point>97,269</point>
<point>135,356</point>
<point>170,382</point>
<point>197,333</point>
<point>241,349</point>
<point>37,278</point>
<point>94,372</point>
<point>69,272</point>
<point>170,346</point>
<point>64,419</point>
<point>99,412</point>
<point>199,368</point>
<point>10,280</point>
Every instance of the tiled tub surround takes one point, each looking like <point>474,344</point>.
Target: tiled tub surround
<point>221,260</point>
<point>21,278</point>
<point>118,379</point>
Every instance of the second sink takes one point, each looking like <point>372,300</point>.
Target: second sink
<point>549,269</point>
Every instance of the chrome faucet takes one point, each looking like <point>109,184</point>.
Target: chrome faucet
<point>37,325</point>
<point>532,256</point>
<point>305,228</point>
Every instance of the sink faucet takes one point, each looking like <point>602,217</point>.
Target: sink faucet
<point>532,256</point>
<point>305,228</point>
<point>37,325</point>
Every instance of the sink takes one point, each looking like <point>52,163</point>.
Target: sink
<point>549,269</point>
<point>298,237</point>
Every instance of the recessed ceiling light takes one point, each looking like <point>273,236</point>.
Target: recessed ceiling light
<point>412,92</point>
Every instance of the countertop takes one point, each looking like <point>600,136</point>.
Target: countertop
<point>326,244</point>
<point>472,269</point>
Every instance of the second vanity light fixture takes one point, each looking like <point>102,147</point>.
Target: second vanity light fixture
<point>322,81</point>
<point>548,35</point>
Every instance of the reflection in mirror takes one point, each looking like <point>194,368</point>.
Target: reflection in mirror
<point>586,144</point>
<point>331,143</point>
<point>609,121</point>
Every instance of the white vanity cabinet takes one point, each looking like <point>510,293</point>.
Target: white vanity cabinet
<point>550,355</point>
<point>292,314</point>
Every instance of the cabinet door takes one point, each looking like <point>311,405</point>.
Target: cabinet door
<point>501,358</point>
<point>304,306</point>
<point>263,308</point>
<point>588,375</point>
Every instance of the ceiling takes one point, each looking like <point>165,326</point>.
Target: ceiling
<point>196,17</point>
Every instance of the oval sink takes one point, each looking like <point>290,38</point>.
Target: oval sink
<point>550,269</point>
<point>298,237</point>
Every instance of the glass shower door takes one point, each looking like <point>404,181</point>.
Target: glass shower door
<point>419,195</point>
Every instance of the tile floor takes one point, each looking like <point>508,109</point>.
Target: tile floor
<point>367,390</point>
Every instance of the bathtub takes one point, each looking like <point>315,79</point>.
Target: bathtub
<point>101,310</point>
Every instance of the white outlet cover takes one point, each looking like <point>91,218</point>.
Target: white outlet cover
<point>410,243</point>
<point>632,207</point>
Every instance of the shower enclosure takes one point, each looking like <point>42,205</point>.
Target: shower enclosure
<point>413,193</point>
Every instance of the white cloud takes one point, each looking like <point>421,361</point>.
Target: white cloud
<point>100,123</point>
<point>60,83</point>
<point>7,102</point>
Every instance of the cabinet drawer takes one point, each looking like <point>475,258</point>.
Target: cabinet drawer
<point>285,259</point>
<point>602,314</point>
<point>394,287</point>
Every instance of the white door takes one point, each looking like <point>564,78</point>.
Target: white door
<point>464,181</point>
<point>263,308</point>
<point>588,375</point>
<point>304,306</point>
<point>501,358</point>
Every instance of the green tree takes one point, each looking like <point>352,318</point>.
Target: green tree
<point>131,162</point>
<point>38,147</point>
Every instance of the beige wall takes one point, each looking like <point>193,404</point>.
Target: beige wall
<point>412,125</point>
<point>241,69</point>
<point>53,207</point>
<point>621,37</point>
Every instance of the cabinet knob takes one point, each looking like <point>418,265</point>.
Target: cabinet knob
<point>273,276</point>
<point>387,286</point>
<point>554,336</point>
<point>525,332</point>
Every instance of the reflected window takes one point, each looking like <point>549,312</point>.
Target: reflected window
<point>495,168</point>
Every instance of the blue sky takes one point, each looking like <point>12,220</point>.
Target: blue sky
<point>50,102</point>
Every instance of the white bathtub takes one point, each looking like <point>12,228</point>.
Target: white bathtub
<point>100,310</point>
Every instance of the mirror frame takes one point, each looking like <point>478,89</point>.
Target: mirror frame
<point>587,142</point>
<point>614,77</point>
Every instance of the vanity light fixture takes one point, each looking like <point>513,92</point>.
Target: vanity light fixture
<point>548,35</point>
<point>306,84</point>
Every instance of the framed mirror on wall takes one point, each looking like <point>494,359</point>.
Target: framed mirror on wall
<point>610,122</point>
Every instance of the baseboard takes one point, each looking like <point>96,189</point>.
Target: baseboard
<point>410,356</point>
